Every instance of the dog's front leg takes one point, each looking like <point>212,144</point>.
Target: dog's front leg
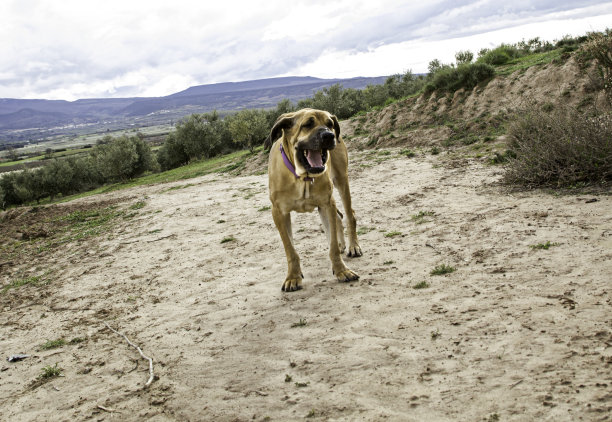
<point>341,272</point>
<point>294,273</point>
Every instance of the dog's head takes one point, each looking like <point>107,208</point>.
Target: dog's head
<point>307,137</point>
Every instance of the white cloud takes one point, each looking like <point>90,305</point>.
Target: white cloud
<point>97,48</point>
<point>416,54</point>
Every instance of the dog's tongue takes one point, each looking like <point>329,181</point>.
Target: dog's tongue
<point>314,157</point>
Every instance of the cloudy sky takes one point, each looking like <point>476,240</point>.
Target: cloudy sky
<point>73,49</point>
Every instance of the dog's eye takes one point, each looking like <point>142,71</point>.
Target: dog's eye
<point>309,124</point>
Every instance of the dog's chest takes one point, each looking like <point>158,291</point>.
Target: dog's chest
<point>306,196</point>
<point>304,205</point>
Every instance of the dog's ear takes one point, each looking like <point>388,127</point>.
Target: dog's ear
<point>285,121</point>
<point>336,126</point>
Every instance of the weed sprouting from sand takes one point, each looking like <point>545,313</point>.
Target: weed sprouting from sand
<point>407,153</point>
<point>311,414</point>
<point>421,285</point>
<point>393,234</point>
<point>364,230</point>
<point>265,208</point>
<point>301,323</point>
<point>420,217</point>
<point>50,372</point>
<point>21,282</point>
<point>301,384</point>
<point>442,269</point>
<point>388,262</point>
<point>227,239</point>
<point>435,334</point>
<point>545,245</point>
<point>53,344</point>
<point>138,205</point>
<point>288,378</point>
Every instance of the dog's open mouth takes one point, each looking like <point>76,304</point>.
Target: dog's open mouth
<point>313,160</point>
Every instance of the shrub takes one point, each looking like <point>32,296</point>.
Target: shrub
<point>197,136</point>
<point>560,148</point>
<point>463,57</point>
<point>248,127</point>
<point>467,75</point>
<point>599,47</point>
<point>500,55</point>
<point>172,153</point>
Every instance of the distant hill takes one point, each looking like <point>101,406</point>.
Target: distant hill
<point>32,119</point>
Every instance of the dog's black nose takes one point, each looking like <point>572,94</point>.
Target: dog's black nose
<point>327,137</point>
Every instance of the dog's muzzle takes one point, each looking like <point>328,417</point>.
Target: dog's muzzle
<point>313,153</point>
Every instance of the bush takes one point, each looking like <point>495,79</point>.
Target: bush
<point>56,178</point>
<point>599,47</point>
<point>116,161</point>
<point>500,55</point>
<point>467,75</point>
<point>249,128</point>
<point>172,153</point>
<point>464,57</point>
<point>561,148</point>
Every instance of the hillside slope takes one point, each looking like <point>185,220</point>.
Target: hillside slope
<point>478,116</point>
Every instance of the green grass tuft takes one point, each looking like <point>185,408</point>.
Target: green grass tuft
<point>21,282</point>
<point>442,269</point>
<point>228,239</point>
<point>53,344</point>
<point>50,372</point>
<point>301,323</point>
<point>545,245</point>
<point>419,218</point>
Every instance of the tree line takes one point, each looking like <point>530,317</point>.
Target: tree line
<point>111,160</point>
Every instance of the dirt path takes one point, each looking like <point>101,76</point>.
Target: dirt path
<point>515,333</point>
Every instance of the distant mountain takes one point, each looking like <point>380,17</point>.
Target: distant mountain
<point>20,119</point>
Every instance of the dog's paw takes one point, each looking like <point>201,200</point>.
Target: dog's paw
<point>354,251</point>
<point>292,284</point>
<point>347,275</point>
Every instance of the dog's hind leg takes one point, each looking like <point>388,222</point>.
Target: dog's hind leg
<point>340,270</point>
<point>342,185</point>
<point>339,228</point>
<point>294,273</point>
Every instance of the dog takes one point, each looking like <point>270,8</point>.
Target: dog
<point>307,159</point>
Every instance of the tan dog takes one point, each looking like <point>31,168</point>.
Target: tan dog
<point>306,161</point>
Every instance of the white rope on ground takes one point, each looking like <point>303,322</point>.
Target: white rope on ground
<point>151,376</point>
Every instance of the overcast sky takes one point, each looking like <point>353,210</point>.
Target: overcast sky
<point>71,49</point>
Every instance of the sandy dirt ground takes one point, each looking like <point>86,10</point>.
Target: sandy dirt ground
<point>194,278</point>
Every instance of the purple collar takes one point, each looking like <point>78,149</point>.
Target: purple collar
<point>290,166</point>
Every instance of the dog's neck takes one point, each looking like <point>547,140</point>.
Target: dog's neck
<point>291,167</point>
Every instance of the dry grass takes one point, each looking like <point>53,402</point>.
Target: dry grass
<point>562,147</point>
